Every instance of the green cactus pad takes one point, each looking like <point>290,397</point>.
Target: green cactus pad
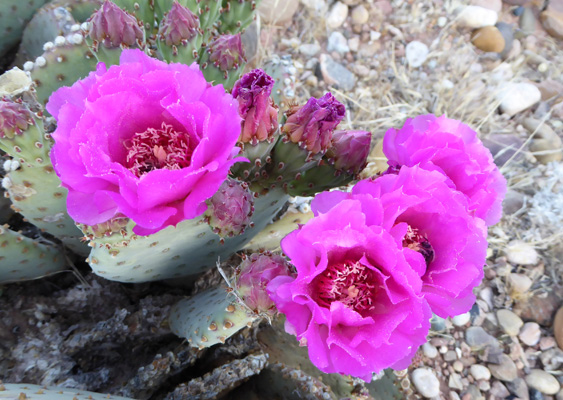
<point>67,61</point>
<point>237,15</point>
<point>187,249</point>
<point>23,391</point>
<point>14,15</point>
<point>209,317</point>
<point>143,10</point>
<point>23,258</point>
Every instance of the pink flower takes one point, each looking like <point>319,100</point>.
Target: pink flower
<point>432,220</point>
<point>356,300</point>
<point>146,139</point>
<point>453,148</point>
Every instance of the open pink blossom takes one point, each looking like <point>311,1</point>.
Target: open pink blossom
<point>453,148</point>
<point>356,301</point>
<point>431,220</point>
<point>145,139</point>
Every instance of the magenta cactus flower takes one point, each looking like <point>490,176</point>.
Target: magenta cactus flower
<point>254,274</point>
<point>113,27</point>
<point>226,52</point>
<point>356,300</point>
<point>149,140</point>
<point>230,208</point>
<point>179,26</point>
<point>258,111</point>
<point>349,150</point>
<point>15,118</point>
<point>454,149</point>
<point>432,221</point>
<point>312,125</point>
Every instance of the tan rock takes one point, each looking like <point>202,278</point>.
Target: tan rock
<point>276,11</point>
<point>488,39</point>
<point>360,15</point>
<point>558,327</point>
<point>552,22</point>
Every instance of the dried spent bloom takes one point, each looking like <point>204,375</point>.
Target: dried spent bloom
<point>257,109</point>
<point>226,52</point>
<point>256,272</point>
<point>14,118</point>
<point>230,208</point>
<point>454,149</point>
<point>349,150</point>
<point>432,220</point>
<point>113,27</point>
<point>356,300</point>
<point>312,124</point>
<point>146,139</point>
<point>180,25</point>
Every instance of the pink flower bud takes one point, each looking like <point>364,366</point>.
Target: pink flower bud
<point>14,118</point>
<point>312,124</point>
<point>256,272</point>
<point>226,52</point>
<point>179,25</point>
<point>257,109</point>
<point>113,27</point>
<point>230,208</point>
<point>349,150</point>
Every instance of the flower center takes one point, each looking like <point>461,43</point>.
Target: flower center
<point>419,242</point>
<point>162,148</point>
<point>351,283</point>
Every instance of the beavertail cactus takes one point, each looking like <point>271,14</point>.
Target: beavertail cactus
<point>230,209</point>
<point>236,15</point>
<point>224,60</point>
<point>179,37</point>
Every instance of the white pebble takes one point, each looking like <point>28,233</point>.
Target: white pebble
<point>477,17</point>
<point>521,253</point>
<point>426,382</point>
<point>429,350</point>
<point>480,372</point>
<point>416,53</point>
<point>462,319</point>
<point>442,21</point>
<point>516,97</point>
<point>337,15</point>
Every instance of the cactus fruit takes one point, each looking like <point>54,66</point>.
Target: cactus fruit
<point>222,317</point>
<point>25,391</point>
<point>24,258</point>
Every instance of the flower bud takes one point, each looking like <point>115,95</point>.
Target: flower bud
<point>113,27</point>
<point>256,272</point>
<point>230,208</point>
<point>226,52</point>
<point>179,26</point>
<point>349,150</point>
<point>15,118</point>
<point>312,124</point>
<point>258,111</point>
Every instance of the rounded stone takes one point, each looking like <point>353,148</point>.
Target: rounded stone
<point>509,322</point>
<point>506,369</point>
<point>426,382</point>
<point>477,17</point>
<point>542,381</point>
<point>517,97</point>
<point>488,39</point>
<point>461,319</point>
<point>480,372</point>
<point>545,151</point>
<point>521,253</point>
<point>429,350</point>
<point>558,327</point>
<point>416,53</point>
<point>530,333</point>
<point>519,283</point>
<point>337,15</point>
<point>360,15</point>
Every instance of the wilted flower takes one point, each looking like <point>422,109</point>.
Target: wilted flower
<point>454,149</point>
<point>150,140</point>
<point>14,118</point>
<point>356,300</point>
<point>113,27</point>
<point>257,109</point>
<point>312,124</point>
<point>255,273</point>
<point>349,150</point>
<point>230,208</point>
<point>179,25</point>
<point>432,220</point>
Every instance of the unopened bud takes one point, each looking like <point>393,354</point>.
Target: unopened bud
<point>113,27</point>
<point>349,150</point>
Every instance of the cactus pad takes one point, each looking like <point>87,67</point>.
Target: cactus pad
<point>23,391</point>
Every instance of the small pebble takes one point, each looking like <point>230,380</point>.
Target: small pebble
<point>517,97</point>
<point>542,381</point>
<point>416,53</point>
<point>518,388</point>
<point>458,366</point>
<point>519,283</point>
<point>442,21</point>
<point>461,319</point>
<point>360,15</point>
<point>506,370</point>
<point>454,381</point>
<point>426,382</point>
<point>488,39</point>
<point>480,372</point>
<point>509,322</point>
<point>429,350</point>
<point>337,15</point>
<point>337,42</point>
<point>475,336</point>
<point>477,17</point>
<point>309,49</point>
<point>530,333</point>
<point>521,253</point>
<point>558,327</point>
